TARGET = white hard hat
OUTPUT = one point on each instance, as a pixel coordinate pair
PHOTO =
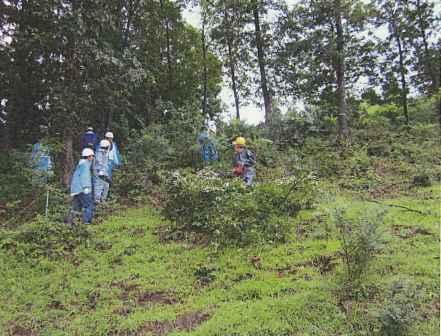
(87, 152)
(104, 143)
(109, 135)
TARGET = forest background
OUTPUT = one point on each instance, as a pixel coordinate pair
(340, 233)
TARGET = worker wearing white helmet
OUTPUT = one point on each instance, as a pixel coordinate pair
(81, 188)
(101, 172)
(114, 155)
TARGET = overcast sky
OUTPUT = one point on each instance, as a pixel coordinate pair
(252, 114)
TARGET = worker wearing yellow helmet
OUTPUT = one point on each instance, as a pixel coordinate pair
(244, 161)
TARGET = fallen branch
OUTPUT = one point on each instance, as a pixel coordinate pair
(397, 206)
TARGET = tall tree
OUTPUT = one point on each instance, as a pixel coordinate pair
(339, 66)
(396, 46)
(257, 7)
(322, 54)
(422, 26)
(227, 23)
(74, 63)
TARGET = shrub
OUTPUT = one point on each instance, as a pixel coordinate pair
(225, 210)
(380, 150)
(43, 238)
(360, 240)
(422, 180)
(399, 309)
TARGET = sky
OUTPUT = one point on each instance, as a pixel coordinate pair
(252, 113)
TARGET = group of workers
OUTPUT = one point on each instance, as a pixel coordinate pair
(243, 162)
(92, 177)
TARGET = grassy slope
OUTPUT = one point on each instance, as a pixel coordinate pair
(126, 278)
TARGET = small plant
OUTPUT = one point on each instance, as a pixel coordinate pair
(422, 180)
(399, 309)
(360, 241)
(205, 275)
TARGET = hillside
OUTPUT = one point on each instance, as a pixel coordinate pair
(124, 279)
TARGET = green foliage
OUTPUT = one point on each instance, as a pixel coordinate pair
(321, 157)
(158, 148)
(422, 180)
(205, 275)
(44, 238)
(228, 211)
(399, 310)
(360, 241)
(383, 116)
(16, 175)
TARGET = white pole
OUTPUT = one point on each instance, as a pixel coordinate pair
(47, 201)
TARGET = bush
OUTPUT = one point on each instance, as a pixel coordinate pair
(360, 240)
(379, 150)
(422, 180)
(321, 157)
(226, 211)
(43, 238)
(16, 186)
(399, 308)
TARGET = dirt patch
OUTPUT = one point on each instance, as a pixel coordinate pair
(406, 232)
(103, 245)
(243, 277)
(21, 331)
(436, 304)
(324, 264)
(431, 309)
(138, 232)
(256, 261)
(126, 287)
(56, 304)
(386, 191)
(93, 298)
(122, 311)
(185, 322)
(132, 290)
(156, 297)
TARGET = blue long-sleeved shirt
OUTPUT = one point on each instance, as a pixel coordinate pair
(81, 178)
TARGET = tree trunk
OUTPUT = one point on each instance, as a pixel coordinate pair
(68, 163)
(343, 130)
(205, 73)
(403, 79)
(234, 81)
(439, 86)
(167, 50)
(231, 62)
(261, 60)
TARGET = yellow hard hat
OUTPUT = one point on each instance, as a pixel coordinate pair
(239, 141)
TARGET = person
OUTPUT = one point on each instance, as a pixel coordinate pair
(207, 148)
(101, 172)
(41, 163)
(89, 139)
(81, 188)
(42, 169)
(114, 155)
(244, 161)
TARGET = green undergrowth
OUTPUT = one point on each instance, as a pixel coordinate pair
(123, 279)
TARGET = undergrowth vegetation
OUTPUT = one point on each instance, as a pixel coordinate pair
(331, 240)
(226, 211)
